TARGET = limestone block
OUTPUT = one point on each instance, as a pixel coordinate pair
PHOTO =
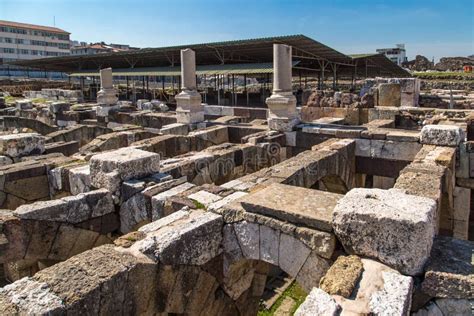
(23, 144)
(292, 254)
(230, 198)
(230, 246)
(389, 94)
(318, 303)
(269, 244)
(296, 205)
(462, 202)
(386, 149)
(58, 107)
(442, 135)
(248, 235)
(394, 227)
(204, 197)
(395, 297)
(342, 276)
(123, 281)
(158, 224)
(448, 273)
(31, 297)
(130, 187)
(79, 179)
(158, 200)
(71, 209)
(175, 129)
(408, 85)
(455, 307)
(312, 271)
(134, 212)
(322, 243)
(193, 240)
(124, 164)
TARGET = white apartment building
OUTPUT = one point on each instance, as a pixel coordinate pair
(28, 41)
(396, 54)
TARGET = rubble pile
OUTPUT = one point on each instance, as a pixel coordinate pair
(453, 63)
(420, 63)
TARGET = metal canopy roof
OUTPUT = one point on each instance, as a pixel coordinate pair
(241, 51)
(229, 69)
(377, 65)
(312, 55)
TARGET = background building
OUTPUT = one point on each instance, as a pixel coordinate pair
(396, 54)
(82, 48)
(19, 41)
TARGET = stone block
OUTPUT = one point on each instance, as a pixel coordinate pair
(393, 227)
(441, 135)
(312, 271)
(204, 197)
(71, 209)
(296, 205)
(462, 202)
(248, 235)
(343, 276)
(448, 273)
(389, 94)
(230, 246)
(318, 303)
(175, 129)
(23, 144)
(454, 307)
(30, 297)
(322, 242)
(269, 244)
(395, 297)
(292, 254)
(79, 179)
(158, 200)
(134, 212)
(121, 280)
(58, 107)
(193, 240)
(122, 164)
(226, 200)
(393, 150)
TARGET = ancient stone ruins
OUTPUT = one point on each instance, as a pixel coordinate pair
(116, 208)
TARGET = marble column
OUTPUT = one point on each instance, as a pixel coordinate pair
(107, 95)
(282, 114)
(188, 102)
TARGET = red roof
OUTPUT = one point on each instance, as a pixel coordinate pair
(33, 27)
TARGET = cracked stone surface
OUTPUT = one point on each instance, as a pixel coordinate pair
(389, 225)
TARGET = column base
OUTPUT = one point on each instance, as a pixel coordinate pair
(189, 117)
(189, 109)
(282, 124)
(282, 114)
(107, 96)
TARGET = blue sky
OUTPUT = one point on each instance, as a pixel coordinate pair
(432, 28)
